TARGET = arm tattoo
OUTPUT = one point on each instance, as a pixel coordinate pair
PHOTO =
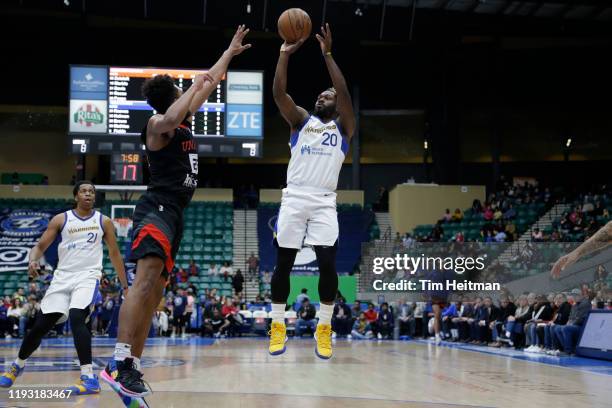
(600, 239)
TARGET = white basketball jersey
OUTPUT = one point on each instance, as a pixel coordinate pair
(80, 250)
(317, 152)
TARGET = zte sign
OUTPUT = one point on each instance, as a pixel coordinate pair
(244, 120)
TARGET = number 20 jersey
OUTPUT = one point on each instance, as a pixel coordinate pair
(80, 249)
(317, 152)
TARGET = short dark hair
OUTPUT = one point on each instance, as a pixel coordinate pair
(304, 290)
(160, 92)
(78, 185)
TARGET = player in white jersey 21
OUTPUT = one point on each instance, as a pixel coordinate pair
(75, 282)
(307, 216)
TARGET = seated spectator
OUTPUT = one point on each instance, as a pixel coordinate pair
(541, 314)
(499, 236)
(561, 315)
(361, 328)
(226, 270)
(448, 313)
(305, 318)
(385, 322)
(486, 314)
(510, 213)
(233, 320)
(567, 336)
(356, 310)
(407, 241)
(183, 276)
(476, 206)
(457, 215)
(29, 313)
(371, 316)
(193, 268)
(555, 236)
(341, 319)
(447, 216)
(459, 324)
(437, 232)
(497, 215)
(488, 214)
(406, 320)
(511, 231)
(536, 235)
(303, 295)
(14, 316)
(459, 237)
(213, 270)
(506, 310)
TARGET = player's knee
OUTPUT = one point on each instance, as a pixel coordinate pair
(78, 317)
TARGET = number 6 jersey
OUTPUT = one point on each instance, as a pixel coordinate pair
(317, 152)
(80, 248)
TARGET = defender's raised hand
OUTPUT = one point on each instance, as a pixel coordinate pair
(325, 39)
(236, 47)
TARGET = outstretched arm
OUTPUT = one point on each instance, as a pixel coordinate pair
(600, 239)
(344, 103)
(162, 123)
(43, 243)
(215, 74)
(293, 114)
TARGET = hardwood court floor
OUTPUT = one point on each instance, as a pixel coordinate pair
(238, 373)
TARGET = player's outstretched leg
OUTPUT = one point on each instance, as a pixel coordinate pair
(280, 292)
(88, 382)
(328, 289)
(31, 341)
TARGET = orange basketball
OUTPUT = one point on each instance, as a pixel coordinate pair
(294, 24)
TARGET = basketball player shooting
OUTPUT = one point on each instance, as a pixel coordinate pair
(75, 283)
(158, 218)
(319, 144)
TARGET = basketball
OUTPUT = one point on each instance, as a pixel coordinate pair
(294, 24)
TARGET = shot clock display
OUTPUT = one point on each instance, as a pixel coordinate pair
(126, 168)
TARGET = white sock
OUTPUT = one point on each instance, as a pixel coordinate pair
(325, 313)
(123, 351)
(20, 362)
(87, 370)
(278, 313)
(136, 363)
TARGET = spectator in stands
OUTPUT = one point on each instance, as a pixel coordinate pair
(216, 321)
(361, 328)
(13, 316)
(459, 237)
(20, 294)
(213, 270)
(499, 236)
(183, 276)
(457, 215)
(107, 313)
(447, 316)
(562, 311)
(567, 336)
(238, 282)
(342, 322)
(253, 265)
(385, 322)
(447, 216)
(189, 309)
(468, 319)
(437, 232)
(226, 270)
(497, 214)
(510, 213)
(193, 268)
(356, 309)
(305, 317)
(601, 274)
(406, 320)
(162, 319)
(28, 315)
(476, 206)
(382, 204)
(178, 313)
(487, 213)
(303, 295)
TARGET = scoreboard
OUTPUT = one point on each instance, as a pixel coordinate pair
(126, 168)
(108, 111)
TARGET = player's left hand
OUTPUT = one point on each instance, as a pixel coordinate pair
(562, 263)
(325, 39)
(236, 47)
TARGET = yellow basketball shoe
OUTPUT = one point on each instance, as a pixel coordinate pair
(323, 336)
(278, 338)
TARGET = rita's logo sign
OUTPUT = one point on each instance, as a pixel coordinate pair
(88, 115)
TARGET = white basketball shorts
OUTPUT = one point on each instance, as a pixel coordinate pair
(307, 217)
(67, 293)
